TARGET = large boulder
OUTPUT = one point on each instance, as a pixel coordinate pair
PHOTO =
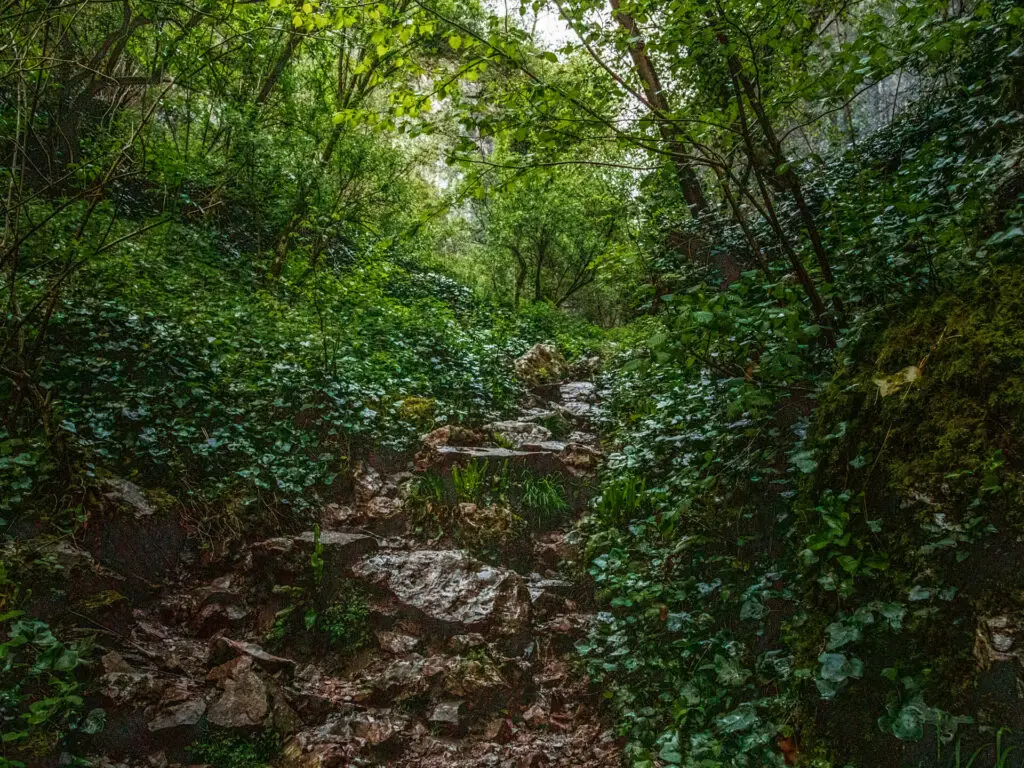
(132, 536)
(452, 590)
(542, 364)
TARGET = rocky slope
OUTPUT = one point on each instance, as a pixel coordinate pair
(411, 628)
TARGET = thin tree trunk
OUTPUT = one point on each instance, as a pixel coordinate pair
(688, 181)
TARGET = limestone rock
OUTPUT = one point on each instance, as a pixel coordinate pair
(244, 702)
(453, 589)
(580, 459)
(224, 648)
(397, 643)
(542, 364)
(451, 435)
(519, 433)
(284, 558)
(131, 536)
(186, 714)
(368, 483)
(447, 715)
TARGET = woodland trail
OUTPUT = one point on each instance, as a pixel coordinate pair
(379, 639)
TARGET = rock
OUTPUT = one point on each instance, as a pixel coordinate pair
(377, 728)
(463, 643)
(580, 460)
(536, 715)
(548, 596)
(135, 686)
(285, 719)
(337, 515)
(453, 589)
(542, 364)
(131, 536)
(114, 662)
(564, 631)
(534, 759)
(447, 716)
(367, 483)
(397, 643)
(408, 678)
(478, 681)
(383, 515)
(318, 748)
(394, 484)
(549, 446)
(244, 701)
(127, 494)
(452, 435)
(498, 730)
(552, 550)
(339, 549)
(444, 458)
(519, 433)
(223, 648)
(583, 438)
(186, 714)
(585, 367)
(578, 392)
(216, 617)
(996, 640)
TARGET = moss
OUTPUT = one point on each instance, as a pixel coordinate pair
(935, 438)
(101, 600)
(933, 471)
(418, 410)
(226, 751)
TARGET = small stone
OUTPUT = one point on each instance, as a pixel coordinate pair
(397, 643)
(463, 643)
(114, 662)
(536, 715)
(367, 483)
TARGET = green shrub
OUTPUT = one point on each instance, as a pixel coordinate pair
(224, 750)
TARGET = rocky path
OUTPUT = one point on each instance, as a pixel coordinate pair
(429, 623)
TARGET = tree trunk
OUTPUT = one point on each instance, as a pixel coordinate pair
(688, 181)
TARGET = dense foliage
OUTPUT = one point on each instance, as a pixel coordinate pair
(248, 244)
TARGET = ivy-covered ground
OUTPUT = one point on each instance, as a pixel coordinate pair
(810, 556)
(251, 250)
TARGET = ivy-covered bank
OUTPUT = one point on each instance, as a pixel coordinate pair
(176, 365)
(812, 556)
